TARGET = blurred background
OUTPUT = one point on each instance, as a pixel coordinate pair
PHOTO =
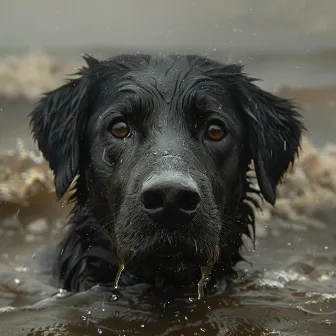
(290, 45)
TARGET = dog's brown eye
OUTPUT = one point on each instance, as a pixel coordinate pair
(216, 132)
(120, 130)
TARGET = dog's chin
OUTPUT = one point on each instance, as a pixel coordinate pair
(164, 264)
(154, 252)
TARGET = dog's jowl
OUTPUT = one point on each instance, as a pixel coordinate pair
(158, 150)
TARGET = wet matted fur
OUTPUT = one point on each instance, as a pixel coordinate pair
(160, 148)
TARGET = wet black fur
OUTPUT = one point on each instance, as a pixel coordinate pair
(168, 102)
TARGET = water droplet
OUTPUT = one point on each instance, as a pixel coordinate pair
(327, 322)
(114, 297)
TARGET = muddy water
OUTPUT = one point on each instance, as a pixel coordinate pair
(290, 288)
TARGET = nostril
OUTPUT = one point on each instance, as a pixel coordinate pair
(189, 201)
(152, 200)
(170, 198)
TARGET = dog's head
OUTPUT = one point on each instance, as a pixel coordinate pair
(161, 147)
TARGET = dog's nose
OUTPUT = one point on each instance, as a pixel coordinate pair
(170, 199)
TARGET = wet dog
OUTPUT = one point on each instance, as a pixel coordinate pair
(159, 149)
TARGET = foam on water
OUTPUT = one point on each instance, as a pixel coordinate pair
(279, 279)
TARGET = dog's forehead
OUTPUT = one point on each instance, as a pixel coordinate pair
(166, 85)
(167, 77)
(169, 73)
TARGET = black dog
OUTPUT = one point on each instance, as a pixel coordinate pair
(161, 149)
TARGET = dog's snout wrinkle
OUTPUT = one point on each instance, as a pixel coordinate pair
(170, 198)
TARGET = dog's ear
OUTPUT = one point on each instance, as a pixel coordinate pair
(274, 134)
(57, 124)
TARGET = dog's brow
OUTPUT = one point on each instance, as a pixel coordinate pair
(125, 103)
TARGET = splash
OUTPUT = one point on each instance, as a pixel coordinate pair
(24, 176)
(307, 191)
(29, 76)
